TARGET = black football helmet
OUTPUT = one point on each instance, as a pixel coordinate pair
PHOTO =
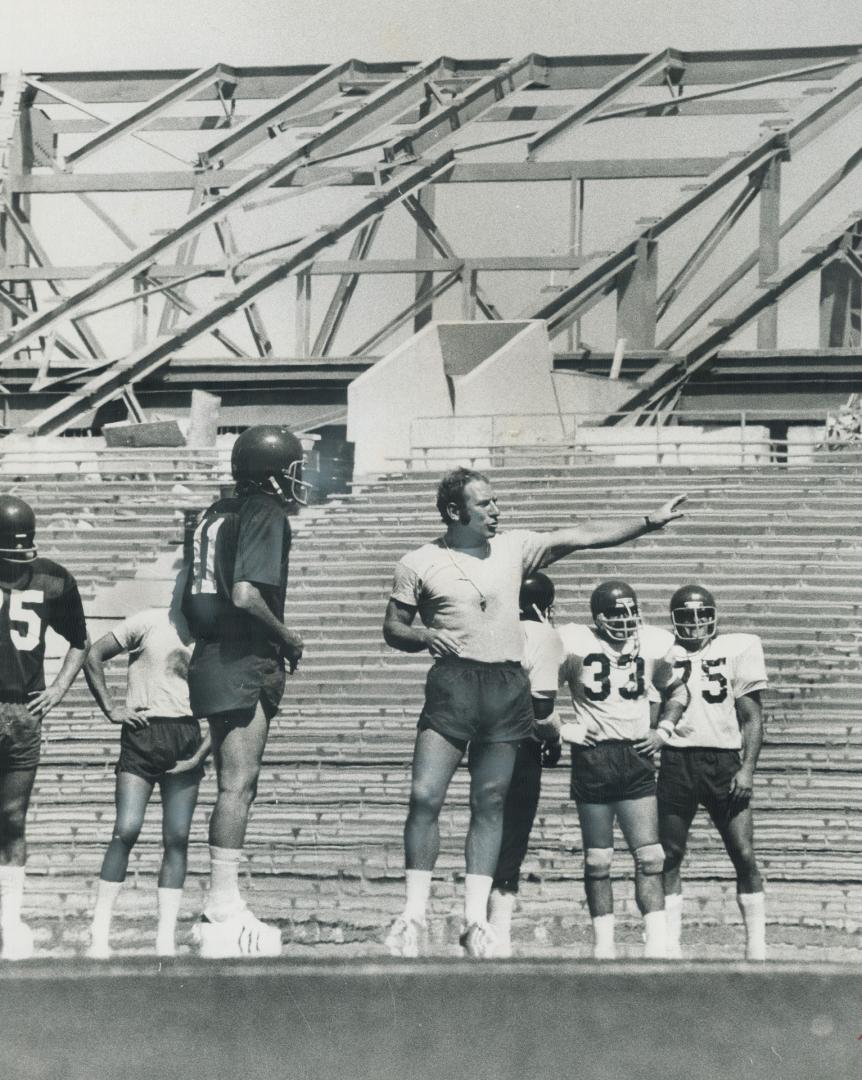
(270, 457)
(17, 530)
(693, 615)
(614, 606)
(536, 598)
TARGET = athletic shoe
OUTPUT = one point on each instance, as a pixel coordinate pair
(479, 941)
(17, 942)
(238, 935)
(407, 938)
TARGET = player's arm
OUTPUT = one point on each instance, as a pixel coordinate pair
(602, 534)
(200, 755)
(106, 648)
(248, 598)
(400, 632)
(674, 702)
(749, 713)
(43, 702)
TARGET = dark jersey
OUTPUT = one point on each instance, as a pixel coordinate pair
(241, 538)
(35, 595)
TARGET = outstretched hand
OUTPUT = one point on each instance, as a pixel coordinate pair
(668, 511)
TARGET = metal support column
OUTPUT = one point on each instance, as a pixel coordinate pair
(637, 290)
(770, 236)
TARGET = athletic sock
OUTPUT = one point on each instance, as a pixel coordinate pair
(477, 889)
(604, 947)
(673, 915)
(224, 897)
(106, 896)
(166, 934)
(500, 908)
(418, 892)
(655, 932)
(11, 894)
(753, 908)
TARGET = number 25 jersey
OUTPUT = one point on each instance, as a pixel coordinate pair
(728, 666)
(610, 689)
(34, 596)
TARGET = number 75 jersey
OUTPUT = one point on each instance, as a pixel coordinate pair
(726, 668)
(610, 689)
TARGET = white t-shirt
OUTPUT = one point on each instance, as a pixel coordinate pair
(727, 667)
(448, 585)
(610, 690)
(158, 663)
(543, 654)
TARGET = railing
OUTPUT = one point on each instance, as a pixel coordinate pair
(80, 457)
(721, 437)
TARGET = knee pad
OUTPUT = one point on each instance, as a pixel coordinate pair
(649, 859)
(597, 862)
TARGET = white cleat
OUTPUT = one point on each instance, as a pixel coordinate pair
(239, 935)
(479, 941)
(17, 942)
(407, 938)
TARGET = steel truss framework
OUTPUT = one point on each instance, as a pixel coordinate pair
(376, 140)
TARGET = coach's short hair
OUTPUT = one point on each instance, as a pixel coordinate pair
(451, 489)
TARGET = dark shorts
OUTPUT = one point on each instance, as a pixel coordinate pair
(469, 701)
(698, 776)
(224, 677)
(152, 751)
(609, 772)
(20, 738)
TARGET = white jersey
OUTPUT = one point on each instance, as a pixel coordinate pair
(727, 667)
(543, 654)
(610, 690)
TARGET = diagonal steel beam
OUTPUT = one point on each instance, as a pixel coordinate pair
(701, 353)
(179, 92)
(151, 357)
(339, 134)
(252, 314)
(650, 65)
(344, 291)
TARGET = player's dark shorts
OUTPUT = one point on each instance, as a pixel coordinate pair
(470, 701)
(611, 771)
(698, 776)
(20, 738)
(225, 678)
(152, 751)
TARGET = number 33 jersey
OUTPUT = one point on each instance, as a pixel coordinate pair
(33, 597)
(610, 689)
(727, 667)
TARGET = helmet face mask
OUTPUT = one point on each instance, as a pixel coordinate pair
(270, 457)
(614, 607)
(693, 616)
(17, 530)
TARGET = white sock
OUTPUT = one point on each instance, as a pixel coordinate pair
(604, 947)
(11, 894)
(477, 889)
(655, 932)
(753, 908)
(418, 891)
(166, 934)
(224, 897)
(673, 915)
(500, 908)
(106, 897)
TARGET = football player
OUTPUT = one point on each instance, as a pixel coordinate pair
(543, 653)
(464, 586)
(35, 593)
(234, 604)
(710, 754)
(609, 668)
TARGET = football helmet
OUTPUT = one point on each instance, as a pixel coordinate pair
(536, 598)
(270, 457)
(614, 607)
(17, 530)
(693, 615)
